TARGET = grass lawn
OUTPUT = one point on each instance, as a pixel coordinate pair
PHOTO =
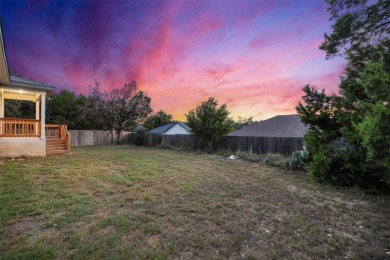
(137, 202)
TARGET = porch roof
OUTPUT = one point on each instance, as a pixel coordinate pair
(29, 84)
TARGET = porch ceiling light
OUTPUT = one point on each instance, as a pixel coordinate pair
(21, 91)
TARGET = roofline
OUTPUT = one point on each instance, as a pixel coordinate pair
(31, 84)
(13, 88)
(165, 130)
(176, 123)
(169, 127)
(48, 90)
(173, 124)
(3, 50)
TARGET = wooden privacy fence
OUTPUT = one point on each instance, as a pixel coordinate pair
(259, 145)
(94, 137)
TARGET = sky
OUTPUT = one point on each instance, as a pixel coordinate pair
(254, 56)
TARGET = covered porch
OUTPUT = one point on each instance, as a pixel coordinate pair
(25, 137)
(23, 127)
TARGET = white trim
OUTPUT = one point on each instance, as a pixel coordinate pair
(2, 104)
(43, 115)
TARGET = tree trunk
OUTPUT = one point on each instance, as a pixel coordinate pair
(112, 136)
(118, 136)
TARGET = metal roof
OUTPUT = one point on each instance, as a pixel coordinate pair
(21, 82)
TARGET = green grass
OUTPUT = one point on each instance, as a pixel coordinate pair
(135, 202)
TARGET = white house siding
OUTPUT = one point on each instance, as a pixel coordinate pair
(176, 130)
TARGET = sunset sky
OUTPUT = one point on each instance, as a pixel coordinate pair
(255, 56)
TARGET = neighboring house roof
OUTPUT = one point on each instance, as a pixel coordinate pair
(11, 81)
(278, 126)
(164, 128)
(140, 128)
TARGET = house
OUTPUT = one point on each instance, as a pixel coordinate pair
(278, 126)
(171, 129)
(21, 137)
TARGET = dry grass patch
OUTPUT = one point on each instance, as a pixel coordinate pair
(136, 202)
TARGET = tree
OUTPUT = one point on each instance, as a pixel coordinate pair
(243, 122)
(91, 109)
(208, 122)
(125, 108)
(374, 127)
(357, 26)
(347, 136)
(158, 119)
(19, 109)
(63, 108)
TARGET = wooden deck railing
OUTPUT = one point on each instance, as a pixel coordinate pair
(58, 132)
(52, 131)
(18, 127)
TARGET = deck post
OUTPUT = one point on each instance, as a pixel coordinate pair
(37, 117)
(43, 117)
(37, 110)
(1, 110)
(2, 104)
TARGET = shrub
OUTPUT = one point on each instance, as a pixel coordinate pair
(209, 122)
(342, 164)
(297, 160)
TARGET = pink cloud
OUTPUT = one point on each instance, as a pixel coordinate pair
(181, 53)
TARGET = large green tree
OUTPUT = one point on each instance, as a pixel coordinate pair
(209, 122)
(63, 108)
(346, 136)
(374, 126)
(158, 119)
(357, 26)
